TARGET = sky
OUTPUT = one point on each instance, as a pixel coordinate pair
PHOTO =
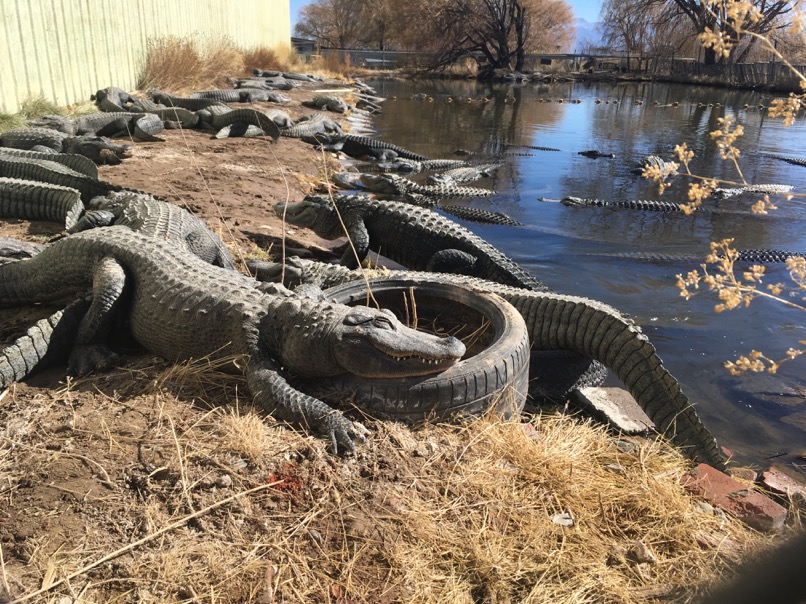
(586, 9)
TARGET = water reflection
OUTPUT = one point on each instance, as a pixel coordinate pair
(575, 250)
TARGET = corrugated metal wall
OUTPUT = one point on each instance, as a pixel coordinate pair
(64, 50)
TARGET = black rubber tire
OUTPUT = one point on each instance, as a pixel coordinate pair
(495, 379)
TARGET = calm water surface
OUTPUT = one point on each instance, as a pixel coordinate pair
(572, 249)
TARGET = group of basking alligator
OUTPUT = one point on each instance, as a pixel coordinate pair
(189, 301)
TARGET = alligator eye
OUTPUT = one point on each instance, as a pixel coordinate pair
(382, 322)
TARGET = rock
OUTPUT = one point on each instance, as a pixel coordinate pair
(722, 491)
(779, 482)
(615, 406)
(564, 519)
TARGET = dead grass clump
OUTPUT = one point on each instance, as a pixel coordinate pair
(181, 65)
(261, 58)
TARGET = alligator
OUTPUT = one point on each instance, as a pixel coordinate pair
(559, 322)
(595, 153)
(415, 237)
(412, 166)
(653, 161)
(758, 256)
(633, 204)
(15, 249)
(78, 163)
(54, 173)
(795, 161)
(36, 200)
(277, 83)
(242, 95)
(30, 200)
(191, 104)
(360, 146)
(727, 193)
(114, 99)
(327, 102)
(98, 148)
(479, 215)
(535, 147)
(392, 184)
(292, 75)
(180, 307)
(141, 126)
(143, 213)
(217, 117)
(311, 125)
(464, 174)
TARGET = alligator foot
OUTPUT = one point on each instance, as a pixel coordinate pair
(341, 433)
(89, 358)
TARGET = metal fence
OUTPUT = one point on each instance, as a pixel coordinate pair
(64, 50)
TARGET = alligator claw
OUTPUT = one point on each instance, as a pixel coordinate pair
(89, 358)
(342, 434)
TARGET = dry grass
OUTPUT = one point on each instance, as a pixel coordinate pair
(445, 513)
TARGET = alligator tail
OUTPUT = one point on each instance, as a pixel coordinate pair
(47, 342)
(31, 200)
(600, 332)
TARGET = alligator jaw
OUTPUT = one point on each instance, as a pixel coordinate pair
(375, 344)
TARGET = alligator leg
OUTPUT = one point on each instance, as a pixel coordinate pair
(93, 219)
(452, 261)
(48, 341)
(278, 397)
(90, 352)
(359, 236)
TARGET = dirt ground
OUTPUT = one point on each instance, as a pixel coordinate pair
(134, 486)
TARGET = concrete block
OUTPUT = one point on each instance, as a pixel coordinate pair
(722, 491)
(615, 406)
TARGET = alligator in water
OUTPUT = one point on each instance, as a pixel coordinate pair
(415, 237)
(393, 184)
(99, 149)
(653, 161)
(553, 322)
(595, 154)
(463, 174)
(795, 161)
(181, 307)
(650, 205)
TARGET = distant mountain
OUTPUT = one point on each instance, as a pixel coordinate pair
(588, 34)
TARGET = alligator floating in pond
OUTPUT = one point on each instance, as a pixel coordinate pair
(393, 184)
(595, 154)
(181, 307)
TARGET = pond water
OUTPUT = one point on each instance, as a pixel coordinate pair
(761, 417)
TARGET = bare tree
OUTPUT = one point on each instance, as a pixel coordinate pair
(497, 33)
(334, 23)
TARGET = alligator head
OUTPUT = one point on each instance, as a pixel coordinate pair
(321, 339)
(316, 212)
(99, 149)
(54, 122)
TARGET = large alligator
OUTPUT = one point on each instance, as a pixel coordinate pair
(54, 173)
(191, 104)
(412, 166)
(78, 163)
(359, 146)
(327, 102)
(141, 126)
(217, 117)
(464, 174)
(181, 307)
(393, 184)
(242, 95)
(415, 237)
(113, 99)
(557, 322)
(728, 192)
(143, 213)
(311, 125)
(98, 148)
